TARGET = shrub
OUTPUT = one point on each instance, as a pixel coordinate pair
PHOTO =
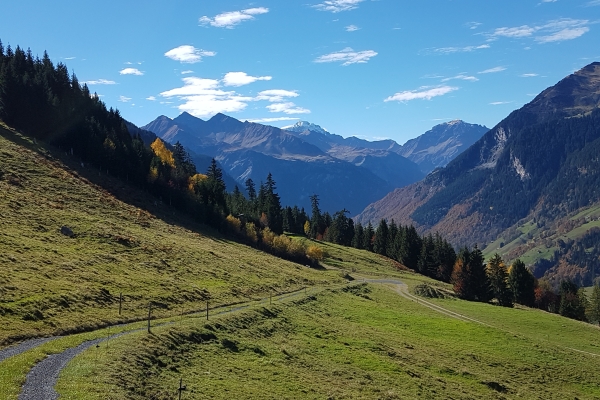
(315, 253)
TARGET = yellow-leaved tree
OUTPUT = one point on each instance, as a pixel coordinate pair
(195, 180)
(165, 155)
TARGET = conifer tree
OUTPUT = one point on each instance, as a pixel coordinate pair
(572, 301)
(368, 237)
(358, 238)
(316, 218)
(522, 284)
(498, 275)
(381, 238)
(593, 311)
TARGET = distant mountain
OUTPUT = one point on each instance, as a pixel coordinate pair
(380, 157)
(434, 149)
(300, 168)
(440, 145)
(540, 164)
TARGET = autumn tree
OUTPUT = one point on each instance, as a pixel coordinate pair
(545, 298)
(469, 277)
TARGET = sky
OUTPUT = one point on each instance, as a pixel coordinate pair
(368, 68)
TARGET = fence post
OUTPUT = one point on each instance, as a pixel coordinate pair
(181, 387)
(120, 302)
(149, 311)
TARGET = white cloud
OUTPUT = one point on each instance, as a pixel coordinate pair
(492, 70)
(188, 54)
(189, 71)
(232, 18)
(276, 95)
(565, 34)
(151, 98)
(423, 93)
(195, 86)
(593, 3)
(287, 108)
(242, 78)
(276, 119)
(70, 58)
(347, 56)
(131, 71)
(466, 49)
(124, 99)
(553, 31)
(473, 25)
(528, 75)
(205, 97)
(461, 77)
(497, 103)
(352, 28)
(101, 82)
(336, 6)
(516, 32)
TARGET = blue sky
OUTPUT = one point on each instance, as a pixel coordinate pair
(366, 68)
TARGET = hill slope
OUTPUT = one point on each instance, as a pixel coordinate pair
(52, 283)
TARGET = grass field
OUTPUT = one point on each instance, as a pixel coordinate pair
(361, 342)
(52, 284)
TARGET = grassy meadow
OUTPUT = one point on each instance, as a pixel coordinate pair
(362, 341)
(53, 284)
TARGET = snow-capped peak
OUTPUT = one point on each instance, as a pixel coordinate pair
(302, 126)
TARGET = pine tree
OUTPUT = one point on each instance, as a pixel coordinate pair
(522, 284)
(368, 237)
(469, 276)
(381, 238)
(572, 301)
(272, 206)
(593, 311)
(483, 291)
(316, 218)
(358, 238)
(498, 275)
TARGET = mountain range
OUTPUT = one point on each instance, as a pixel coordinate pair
(305, 159)
(530, 175)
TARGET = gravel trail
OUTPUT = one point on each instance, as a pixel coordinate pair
(41, 379)
(23, 347)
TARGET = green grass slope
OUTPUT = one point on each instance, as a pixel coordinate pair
(364, 341)
(51, 283)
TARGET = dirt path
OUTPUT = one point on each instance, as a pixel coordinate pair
(23, 347)
(42, 378)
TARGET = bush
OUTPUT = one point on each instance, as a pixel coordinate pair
(315, 253)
